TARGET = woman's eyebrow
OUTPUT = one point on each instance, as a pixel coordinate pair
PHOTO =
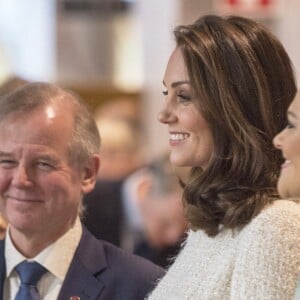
(177, 83)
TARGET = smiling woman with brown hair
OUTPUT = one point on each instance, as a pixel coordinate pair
(288, 141)
(228, 84)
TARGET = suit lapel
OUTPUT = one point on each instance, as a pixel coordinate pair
(2, 268)
(89, 260)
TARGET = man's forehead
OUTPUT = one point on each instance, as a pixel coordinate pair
(49, 109)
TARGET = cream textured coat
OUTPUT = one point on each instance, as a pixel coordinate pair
(261, 261)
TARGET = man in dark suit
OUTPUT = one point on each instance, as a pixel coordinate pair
(49, 147)
(104, 212)
(106, 217)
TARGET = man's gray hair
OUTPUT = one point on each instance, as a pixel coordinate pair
(85, 138)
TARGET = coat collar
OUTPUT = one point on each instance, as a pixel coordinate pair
(81, 280)
(89, 260)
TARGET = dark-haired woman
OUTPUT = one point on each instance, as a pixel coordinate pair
(228, 84)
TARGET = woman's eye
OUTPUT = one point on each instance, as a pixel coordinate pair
(184, 97)
(181, 96)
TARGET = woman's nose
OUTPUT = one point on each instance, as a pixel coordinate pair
(166, 116)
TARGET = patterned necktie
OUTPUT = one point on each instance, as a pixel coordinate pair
(30, 273)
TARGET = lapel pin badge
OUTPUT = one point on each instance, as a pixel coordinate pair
(74, 298)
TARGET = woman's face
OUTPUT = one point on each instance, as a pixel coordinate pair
(288, 141)
(190, 137)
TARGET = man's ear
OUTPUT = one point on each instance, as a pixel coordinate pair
(90, 172)
(143, 188)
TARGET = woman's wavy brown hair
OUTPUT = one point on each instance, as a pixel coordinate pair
(243, 82)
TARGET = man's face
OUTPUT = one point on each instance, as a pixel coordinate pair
(164, 219)
(40, 192)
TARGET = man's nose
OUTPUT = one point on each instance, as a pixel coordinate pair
(21, 176)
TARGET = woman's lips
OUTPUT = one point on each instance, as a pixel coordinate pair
(176, 138)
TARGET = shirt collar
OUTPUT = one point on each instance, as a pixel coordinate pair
(56, 258)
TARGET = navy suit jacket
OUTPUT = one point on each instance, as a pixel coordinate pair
(104, 217)
(101, 271)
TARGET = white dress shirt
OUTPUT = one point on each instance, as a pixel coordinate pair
(56, 258)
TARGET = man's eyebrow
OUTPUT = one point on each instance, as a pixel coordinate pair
(177, 83)
(47, 157)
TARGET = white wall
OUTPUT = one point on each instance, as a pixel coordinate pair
(157, 19)
(288, 30)
(27, 37)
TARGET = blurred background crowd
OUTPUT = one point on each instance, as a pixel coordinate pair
(113, 53)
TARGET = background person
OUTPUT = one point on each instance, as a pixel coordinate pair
(227, 86)
(118, 121)
(154, 208)
(121, 155)
(143, 215)
(49, 146)
(160, 203)
(288, 141)
(122, 150)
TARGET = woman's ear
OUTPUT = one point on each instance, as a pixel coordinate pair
(90, 172)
